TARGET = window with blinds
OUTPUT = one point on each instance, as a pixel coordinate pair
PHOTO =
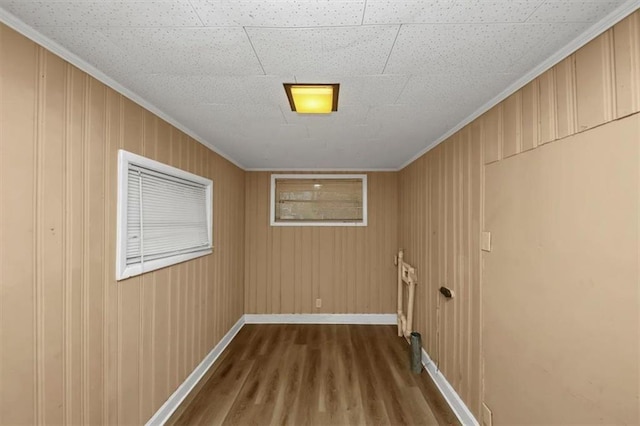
(318, 200)
(164, 215)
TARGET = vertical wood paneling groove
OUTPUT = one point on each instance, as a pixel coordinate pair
(66, 307)
(86, 170)
(547, 111)
(530, 116)
(443, 250)
(512, 125)
(287, 268)
(567, 119)
(595, 80)
(38, 226)
(627, 65)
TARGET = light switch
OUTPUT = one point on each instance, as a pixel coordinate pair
(486, 241)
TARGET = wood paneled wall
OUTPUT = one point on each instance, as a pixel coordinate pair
(350, 268)
(439, 222)
(77, 347)
(442, 193)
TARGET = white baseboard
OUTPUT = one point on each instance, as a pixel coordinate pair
(164, 413)
(377, 319)
(458, 406)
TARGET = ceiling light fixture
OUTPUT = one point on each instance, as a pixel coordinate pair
(312, 98)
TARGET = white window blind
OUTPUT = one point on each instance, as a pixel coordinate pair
(164, 216)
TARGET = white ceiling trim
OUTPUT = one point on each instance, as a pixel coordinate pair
(324, 170)
(592, 32)
(26, 30)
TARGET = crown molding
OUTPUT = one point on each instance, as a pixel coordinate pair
(592, 32)
(31, 33)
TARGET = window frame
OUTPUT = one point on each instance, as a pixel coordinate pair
(272, 199)
(124, 271)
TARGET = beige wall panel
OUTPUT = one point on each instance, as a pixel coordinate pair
(75, 309)
(561, 282)
(95, 219)
(512, 125)
(595, 82)
(547, 109)
(566, 97)
(627, 63)
(17, 271)
(439, 228)
(50, 255)
(349, 268)
(530, 114)
(492, 125)
(77, 347)
(441, 210)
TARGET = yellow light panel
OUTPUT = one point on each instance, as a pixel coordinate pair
(312, 99)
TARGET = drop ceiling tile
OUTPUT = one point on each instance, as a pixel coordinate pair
(210, 89)
(573, 11)
(460, 48)
(186, 51)
(557, 37)
(174, 13)
(346, 115)
(94, 47)
(240, 119)
(453, 95)
(362, 89)
(450, 57)
(284, 13)
(471, 11)
(331, 51)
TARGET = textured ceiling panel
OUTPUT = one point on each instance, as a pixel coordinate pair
(452, 48)
(94, 47)
(104, 13)
(284, 13)
(409, 71)
(362, 89)
(210, 89)
(452, 12)
(573, 11)
(339, 50)
(187, 51)
(349, 115)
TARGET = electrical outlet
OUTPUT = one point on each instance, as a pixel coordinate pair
(318, 303)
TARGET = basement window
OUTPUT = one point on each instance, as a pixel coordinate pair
(164, 215)
(318, 200)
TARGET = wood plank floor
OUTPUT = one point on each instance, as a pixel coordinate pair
(315, 375)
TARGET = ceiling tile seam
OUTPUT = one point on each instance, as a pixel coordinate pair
(404, 87)
(196, 12)
(391, 50)
(313, 27)
(617, 15)
(284, 117)
(254, 50)
(364, 12)
(31, 33)
(143, 27)
(535, 10)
